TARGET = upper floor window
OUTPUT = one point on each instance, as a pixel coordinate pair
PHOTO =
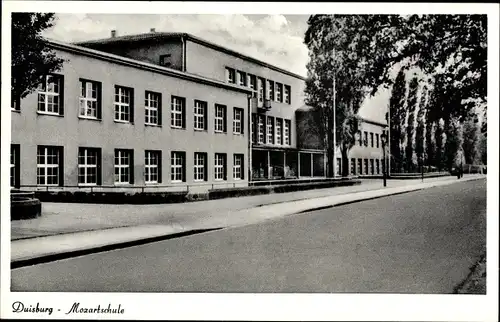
(287, 133)
(165, 60)
(200, 112)
(261, 85)
(366, 138)
(260, 124)
(230, 75)
(220, 118)
(152, 108)
(287, 94)
(371, 140)
(242, 79)
(270, 88)
(90, 99)
(124, 107)
(252, 82)
(279, 92)
(279, 131)
(238, 120)
(270, 130)
(50, 95)
(377, 139)
(178, 112)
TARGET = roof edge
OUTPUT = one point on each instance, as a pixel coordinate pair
(143, 65)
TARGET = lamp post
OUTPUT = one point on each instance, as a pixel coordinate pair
(383, 138)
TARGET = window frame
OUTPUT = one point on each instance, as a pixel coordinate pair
(149, 96)
(261, 129)
(86, 166)
(270, 90)
(279, 131)
(240, 167)
(97, 100)
(174, 166)
(15, 164)
(270, 130)
(59, 153)
(176, 101)
(122, 105)
(152, 155)
(279, 92)
(128, 154)
(220, 169)
(287, 132)
(43, 90)
(242, 78)
(200, 168)
(222, 119)
(197, 107)
(238, 122)
(287, 94)
(230, 75)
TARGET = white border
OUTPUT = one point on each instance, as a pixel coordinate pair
(266, 306)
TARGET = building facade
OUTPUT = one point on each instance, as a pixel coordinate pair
(164, 112)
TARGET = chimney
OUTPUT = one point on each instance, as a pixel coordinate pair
(152, 30)
(113, 33)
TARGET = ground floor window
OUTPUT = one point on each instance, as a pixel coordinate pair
(178, 166)
(49, 165)
(220, 166)
(124, 166)
(200, 166)
(372, 168)
(377, 164)
(366, 166)
(339, 166)
(238, 167)
(14, 165)
(353, 166)
(89, 166)
(360, 166)
(152, 167)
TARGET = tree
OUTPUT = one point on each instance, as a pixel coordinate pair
(453, 141)
(412, 104)
(439, 151)
(420, 133)
(397, 119)
(471, 142)
(32, 58)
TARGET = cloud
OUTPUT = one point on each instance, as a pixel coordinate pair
(268, 38)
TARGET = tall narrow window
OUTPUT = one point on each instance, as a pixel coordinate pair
(279, 92)
(15, 150)
(372, 167)
(377, 139)
(89, 160)
(200, 166)
(252, 82)
(220, 166)
(371, 140)
(177, 166)
(366, 138)
(287, 94)
(367, 171)
(287, 132)
(50, 95)
(90, 99)
(360, 166)
(270, 88)
(261, 85)
(123, 104)
(200, 111)
(270, 130)
(152, 167)
(152, 108)
(353, 166)
(242, 78)
(220, 118)
(360, 138)
(339, 166)
(377, 163)
(124, 164)
(49, 165)
(238, 167)
(279, 131)
(178, 112)
(230, 75)
(260, 125)
(238, 120)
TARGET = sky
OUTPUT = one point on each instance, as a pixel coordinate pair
(275, 39)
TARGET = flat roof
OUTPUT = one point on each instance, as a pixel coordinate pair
(144, 65)
(151, 36)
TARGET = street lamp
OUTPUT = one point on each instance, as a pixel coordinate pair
(383, 138)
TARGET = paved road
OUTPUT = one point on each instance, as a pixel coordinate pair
(419, 242)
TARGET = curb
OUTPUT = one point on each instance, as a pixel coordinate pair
(70, 254)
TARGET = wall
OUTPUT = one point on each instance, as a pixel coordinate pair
(30, 129)
(211, 63)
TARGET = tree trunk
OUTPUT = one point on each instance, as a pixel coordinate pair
(330, 153)
(345, 161)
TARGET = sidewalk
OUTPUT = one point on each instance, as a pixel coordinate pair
(76, 227)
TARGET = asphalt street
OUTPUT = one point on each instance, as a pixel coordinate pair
(418, 242)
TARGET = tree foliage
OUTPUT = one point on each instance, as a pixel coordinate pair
(397, 118)
(471, 142)
(32, 58)
(410, 127)
(420, 132)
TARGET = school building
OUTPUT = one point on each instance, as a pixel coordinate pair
(166, 112)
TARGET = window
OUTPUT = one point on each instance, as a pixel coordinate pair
(372, 167)
(124, 165)
(270, 87)
(152, 167)
(287, 94)
(220, 166)
(90, 99)
(279, 92)
(287, 132)
(360, 138)
(238, 119)
(261, 83)
(279, 131)
(238, 167)
(178, 166)
(371, 140)
(200, 112)
(353, 166)
(89, 166)
(366, 166)
(252, 82)
(242, 79)
(123, 104)
(377, 163)
(230, 75)
(220, 118)
(14, 165)
(50, 95)
(165, 60)
(377, 139)
(366, 138)
(360, 166)
(270, 130)
(49, 165)
(260, 125)
(178, 112)
(152, 108)
(339, 166)
(200, 166)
